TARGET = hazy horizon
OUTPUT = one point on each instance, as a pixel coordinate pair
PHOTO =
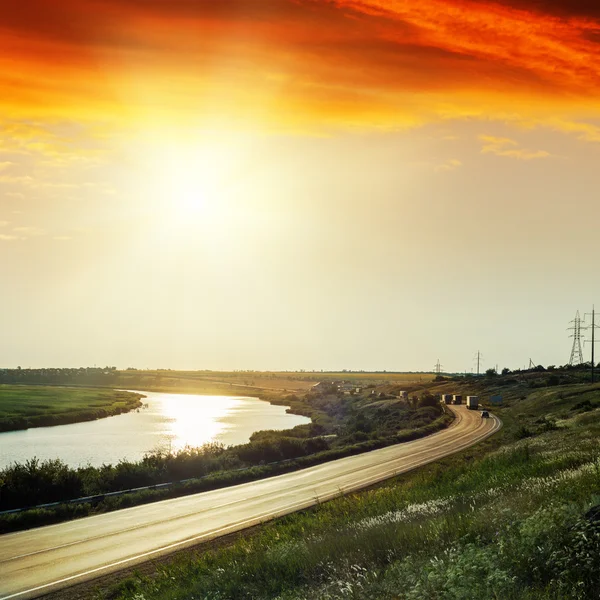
(280, 185)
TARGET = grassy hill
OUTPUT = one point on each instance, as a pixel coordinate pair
(516, 517)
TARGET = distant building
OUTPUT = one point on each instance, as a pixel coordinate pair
(346, 386)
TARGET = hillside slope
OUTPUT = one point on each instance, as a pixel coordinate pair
(515, 517)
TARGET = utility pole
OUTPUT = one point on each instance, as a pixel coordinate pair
(479, 358)
(593, 327)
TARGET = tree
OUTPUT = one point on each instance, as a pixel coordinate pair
(505, 371)
(428, 400)
(491, 373)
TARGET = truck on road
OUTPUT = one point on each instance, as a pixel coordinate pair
(472, 402)
(457, 399)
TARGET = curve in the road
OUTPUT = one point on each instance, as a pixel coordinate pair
(50, 558)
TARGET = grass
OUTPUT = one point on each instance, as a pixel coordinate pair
(22, 407)
(506, 519)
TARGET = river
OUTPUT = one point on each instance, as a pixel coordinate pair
(169, 422)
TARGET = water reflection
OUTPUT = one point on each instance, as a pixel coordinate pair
(196, 420)
(170, 422)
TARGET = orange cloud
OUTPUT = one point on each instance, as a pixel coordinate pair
(509, 148)
(449, 165)
(370, 63)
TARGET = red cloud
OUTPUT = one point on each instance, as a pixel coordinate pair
(344, 60)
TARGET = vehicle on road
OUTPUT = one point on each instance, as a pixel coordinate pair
(457, 399)
(485, 414)
(472, 402)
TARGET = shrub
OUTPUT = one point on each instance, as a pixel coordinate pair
(523, 432)
(574, 564)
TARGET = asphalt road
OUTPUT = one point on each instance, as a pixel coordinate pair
(46, 559)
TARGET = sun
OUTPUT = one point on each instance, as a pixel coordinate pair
(194, 185)
(194, 192)
(190, 181)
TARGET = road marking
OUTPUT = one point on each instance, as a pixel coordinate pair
(107, 535)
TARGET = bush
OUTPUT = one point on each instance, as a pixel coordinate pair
(523, 432)
(36, 482)
(428, 400)
(574, 564)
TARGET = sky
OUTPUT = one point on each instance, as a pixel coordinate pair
(297, 184)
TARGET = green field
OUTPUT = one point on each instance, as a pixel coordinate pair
(253, 382)
(509, 518)
(22, 407)
(233, 383)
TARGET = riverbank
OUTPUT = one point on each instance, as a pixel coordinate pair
(342, 426)
(29, 406)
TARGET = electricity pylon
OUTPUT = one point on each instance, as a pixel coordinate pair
(576, 352)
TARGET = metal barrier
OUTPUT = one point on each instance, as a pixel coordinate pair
(157, 486)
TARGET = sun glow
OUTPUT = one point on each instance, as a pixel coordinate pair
(193, 190)
(192, 182)
(195, 185)
(196, 420)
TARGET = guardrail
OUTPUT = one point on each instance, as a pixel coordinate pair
(157, 486)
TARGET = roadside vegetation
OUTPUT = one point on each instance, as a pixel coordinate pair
(343, 424)
(516, 517)
(22, 407)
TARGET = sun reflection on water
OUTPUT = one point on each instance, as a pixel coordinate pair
(195, 420)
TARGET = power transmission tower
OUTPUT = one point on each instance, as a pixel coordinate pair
(593, 327)
(479, 359)
(576, 352)
(438, 367)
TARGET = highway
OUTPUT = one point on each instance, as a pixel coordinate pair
(37, 561)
